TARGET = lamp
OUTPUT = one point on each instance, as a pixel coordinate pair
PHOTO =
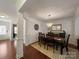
(49, 24)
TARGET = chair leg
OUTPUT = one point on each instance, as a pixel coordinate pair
(53, 49)
(61, 50)
(39, 44)
(56, 47)
(44, 46)
(66, 49)
(47, 47)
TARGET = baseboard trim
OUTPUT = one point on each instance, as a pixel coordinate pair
(33, 43)
(72, 46)
(21, 58)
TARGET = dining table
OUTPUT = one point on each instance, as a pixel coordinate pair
(57, 41)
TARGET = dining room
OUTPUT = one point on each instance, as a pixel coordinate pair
(51, 27)
(55, 43)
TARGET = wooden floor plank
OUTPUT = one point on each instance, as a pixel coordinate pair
(7, 49)
(32, 53)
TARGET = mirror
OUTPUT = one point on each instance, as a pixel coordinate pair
(36, 26)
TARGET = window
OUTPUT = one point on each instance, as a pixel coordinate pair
(3, 30)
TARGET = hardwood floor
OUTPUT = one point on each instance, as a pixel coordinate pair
(7, 49)
(32, 53)
(22, 58)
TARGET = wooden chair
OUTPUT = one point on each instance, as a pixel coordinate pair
(41, 39)
(50, 41)
(64, 44)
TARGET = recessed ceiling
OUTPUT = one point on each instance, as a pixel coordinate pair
(49, 9)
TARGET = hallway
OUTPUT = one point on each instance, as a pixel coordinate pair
(7, 49)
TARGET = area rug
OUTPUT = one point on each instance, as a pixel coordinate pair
(73, 53)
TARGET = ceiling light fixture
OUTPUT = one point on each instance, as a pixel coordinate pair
(49, 24)
(2, 16)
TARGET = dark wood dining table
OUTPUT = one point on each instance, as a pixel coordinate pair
(56, 40)
(59, 39)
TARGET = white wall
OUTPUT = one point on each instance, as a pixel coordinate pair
(68, 26)
(31, 33)
(77, 28)
(77, 24)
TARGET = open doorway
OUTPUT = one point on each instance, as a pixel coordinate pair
(14, 30)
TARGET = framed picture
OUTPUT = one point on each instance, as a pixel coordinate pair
(56, 27)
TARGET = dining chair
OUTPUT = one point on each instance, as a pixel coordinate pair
(65, 44)
(41, 39)
(50, 41)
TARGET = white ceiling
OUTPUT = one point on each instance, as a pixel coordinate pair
(50, 9)
(8, 8)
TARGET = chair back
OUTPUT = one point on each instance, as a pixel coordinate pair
(49, 34)
(62, 35)
(41, 36)
(40, 33)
